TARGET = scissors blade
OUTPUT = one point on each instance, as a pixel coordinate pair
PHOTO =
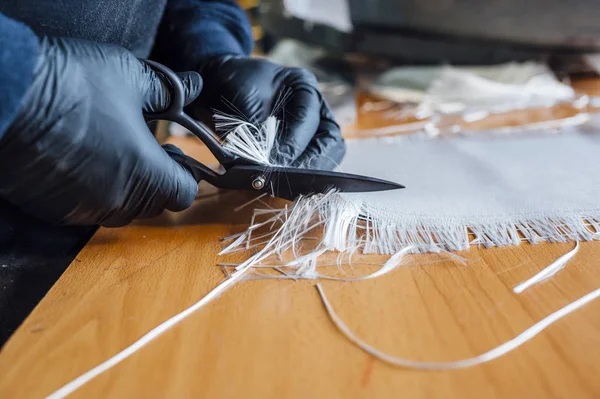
(289, 183)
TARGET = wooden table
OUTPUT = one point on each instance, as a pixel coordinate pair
(271, 339)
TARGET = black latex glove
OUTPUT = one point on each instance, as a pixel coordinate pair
(80, 151)
(310, 137)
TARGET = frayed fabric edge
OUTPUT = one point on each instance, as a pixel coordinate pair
(348, 226)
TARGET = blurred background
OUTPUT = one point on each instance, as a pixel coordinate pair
(438, 65)
(433, 31)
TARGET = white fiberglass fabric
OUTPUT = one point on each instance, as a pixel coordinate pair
(500, 188)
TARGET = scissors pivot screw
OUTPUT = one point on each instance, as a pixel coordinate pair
(259, 182)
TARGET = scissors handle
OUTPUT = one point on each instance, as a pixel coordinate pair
(175, 113)
(198, 170)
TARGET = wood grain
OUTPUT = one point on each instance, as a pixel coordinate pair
(271, 339)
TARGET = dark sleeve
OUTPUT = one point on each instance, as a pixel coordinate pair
(18, 56)
(193, 31)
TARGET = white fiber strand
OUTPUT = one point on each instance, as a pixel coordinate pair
(248, 140)
(240, 271)
(144, 340)
(391, 264)
(548, 271)
(473, 361)
(239, 208)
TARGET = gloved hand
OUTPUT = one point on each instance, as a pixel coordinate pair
(80, 152)
(252, 88)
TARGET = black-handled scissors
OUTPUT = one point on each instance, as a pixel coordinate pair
(244, 174)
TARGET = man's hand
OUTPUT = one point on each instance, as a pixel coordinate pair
(255, 88)
(80, 152)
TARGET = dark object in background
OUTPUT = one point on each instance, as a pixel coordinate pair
(544, 23)
(454, 31)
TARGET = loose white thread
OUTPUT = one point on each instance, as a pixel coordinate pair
(473, 361)
(248, 140)
(248, 137)
(155, 332)
(304, 266)
(144, 340)
(548, 271)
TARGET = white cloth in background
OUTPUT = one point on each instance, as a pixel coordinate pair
(498, 88)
